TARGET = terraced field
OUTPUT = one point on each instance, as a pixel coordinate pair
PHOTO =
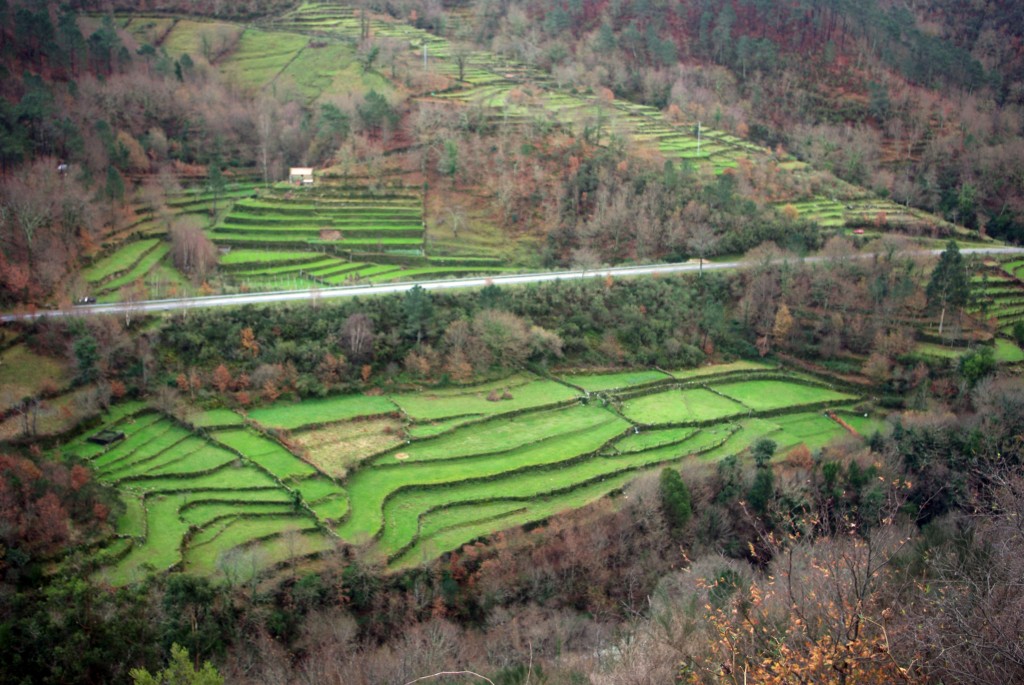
(999, 294)
(411, 475)
(331, 236)
(140, 253)
(515, 93)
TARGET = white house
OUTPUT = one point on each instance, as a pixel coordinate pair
(301, 175)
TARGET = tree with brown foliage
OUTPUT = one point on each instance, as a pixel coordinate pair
(192, 252)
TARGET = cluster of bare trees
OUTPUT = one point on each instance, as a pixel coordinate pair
(193, 253)
(47, 220)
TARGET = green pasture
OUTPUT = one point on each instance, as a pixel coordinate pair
(139, 438)
(160, 453)
(615, 381)
(201, 38)
(316, 488)
(939, 351)
(331, 71)
(234, 476)
(767, 395)
(650, 439)
(292, 269)
(209, 556)
(141, 268)
(215, 418)
(681, 406)
(561, 487)
(814, 430)
(431, 428)
(332, 508)
(204, 512)
(423, 406)
(319, 411)
(498, 435)
(442, 530)
(265, 453)
(245, 257)
(368, 488)
(469, 466)
(261, 56)
(133, 521)
(119, 261)
(160, 549)
(288, 544)
(1012, 310)
(1008, 352)
(864, 422)
(204, 459)
(719, 369)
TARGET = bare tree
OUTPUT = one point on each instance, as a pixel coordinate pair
(702, 242)
(357, 337)
(192, 252)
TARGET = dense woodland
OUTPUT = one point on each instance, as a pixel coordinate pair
(891, 559)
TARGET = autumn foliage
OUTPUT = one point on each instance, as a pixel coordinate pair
(45, 505)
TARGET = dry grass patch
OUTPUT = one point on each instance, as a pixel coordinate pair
(24, 373)
(335, 448)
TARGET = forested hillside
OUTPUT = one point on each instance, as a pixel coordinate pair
(921, 101)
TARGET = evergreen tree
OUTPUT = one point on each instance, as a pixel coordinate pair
(763, 490)
(764, 450)
(949, 285)
(675, 500)
(419, 312)
(178, 672)
(114, 188)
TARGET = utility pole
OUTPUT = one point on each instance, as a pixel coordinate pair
(698, 139)
(424, 55)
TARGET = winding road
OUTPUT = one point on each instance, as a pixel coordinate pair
(312, 294)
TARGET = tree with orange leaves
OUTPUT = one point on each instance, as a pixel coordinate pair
(249, 343)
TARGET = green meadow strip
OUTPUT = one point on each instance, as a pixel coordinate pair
(369, 488)
(320, 411)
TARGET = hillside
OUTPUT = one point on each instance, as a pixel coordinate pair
(798, 469)
(514, 162)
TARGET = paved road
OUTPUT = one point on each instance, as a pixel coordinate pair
(151, 306)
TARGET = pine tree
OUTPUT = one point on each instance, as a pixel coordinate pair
(675, 500)
(949, 285)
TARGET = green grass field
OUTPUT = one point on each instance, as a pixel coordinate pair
(474, 467)
(768, 394)
(327, 410)
(811, 429)
(939, 351)
(645, 440)
(423, 406)
(498, 435)
(681, 406)
(120, 261)
(261, 56)
(1008, 352)
(615, 381)
(265, 453)
(719, 369)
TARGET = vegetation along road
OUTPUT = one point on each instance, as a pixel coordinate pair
(149, 306)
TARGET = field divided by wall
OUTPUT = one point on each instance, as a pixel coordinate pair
(408, 476)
